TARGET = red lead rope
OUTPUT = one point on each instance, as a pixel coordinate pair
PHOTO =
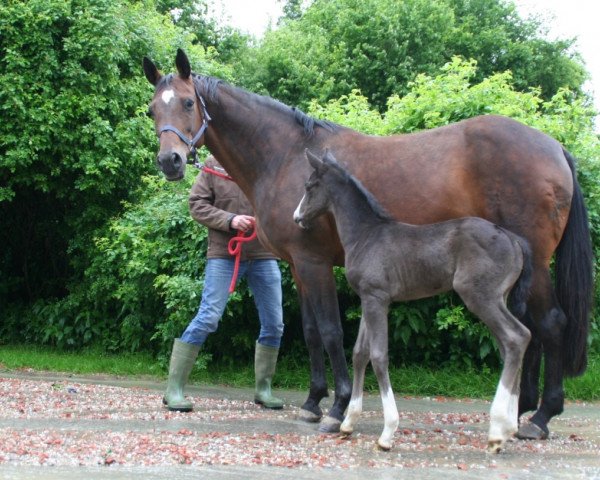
(235, 244)
(235, 248)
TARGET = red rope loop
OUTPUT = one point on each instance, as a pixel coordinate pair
(235, 248)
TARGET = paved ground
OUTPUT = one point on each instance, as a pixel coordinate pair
(108, 428)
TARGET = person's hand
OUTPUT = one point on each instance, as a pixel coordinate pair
(242, 222)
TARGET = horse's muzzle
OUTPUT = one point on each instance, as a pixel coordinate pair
(172, 165)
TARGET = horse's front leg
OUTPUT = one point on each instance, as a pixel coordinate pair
(323, 328)
(310, 410)
(360, 360)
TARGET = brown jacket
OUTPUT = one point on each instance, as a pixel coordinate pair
(214, 201)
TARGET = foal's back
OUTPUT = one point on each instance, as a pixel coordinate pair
(417, 261)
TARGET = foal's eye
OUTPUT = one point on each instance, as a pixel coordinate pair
(188, 104)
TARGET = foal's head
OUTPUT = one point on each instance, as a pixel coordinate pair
(317, 196)
(179, 115)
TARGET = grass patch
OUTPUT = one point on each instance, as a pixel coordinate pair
(88, 361)
(291, 374)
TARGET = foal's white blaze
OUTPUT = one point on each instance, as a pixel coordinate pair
(390, 419)
(503, 415)
(168, 95)
(297, 211)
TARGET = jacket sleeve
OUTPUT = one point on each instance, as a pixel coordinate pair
(202, 208)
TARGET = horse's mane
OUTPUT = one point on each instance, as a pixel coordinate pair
(377, 208)
(209, 86)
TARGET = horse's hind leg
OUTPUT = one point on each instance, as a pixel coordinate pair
(550, 327)
(360, 360)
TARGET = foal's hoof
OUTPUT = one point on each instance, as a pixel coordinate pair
(385, 446)
(329, 425)
(494, 446)
(308, 416)
(531, 431)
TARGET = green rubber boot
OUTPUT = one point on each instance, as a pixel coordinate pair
(182, 361)
(265, 361)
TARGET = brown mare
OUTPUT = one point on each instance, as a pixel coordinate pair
(490, 167)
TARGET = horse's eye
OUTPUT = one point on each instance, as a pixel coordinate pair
(189, 104)
(150, 113)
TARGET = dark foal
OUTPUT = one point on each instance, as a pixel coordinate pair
(391, 261)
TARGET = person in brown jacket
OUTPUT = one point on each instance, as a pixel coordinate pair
(220, 205)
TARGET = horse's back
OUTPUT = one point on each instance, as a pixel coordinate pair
(490, 166)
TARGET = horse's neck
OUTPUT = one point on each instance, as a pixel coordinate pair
(243, 135)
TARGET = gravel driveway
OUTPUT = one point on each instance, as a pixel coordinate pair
(56, 426)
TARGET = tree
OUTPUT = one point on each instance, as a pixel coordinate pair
(74, 140)
(379, 46)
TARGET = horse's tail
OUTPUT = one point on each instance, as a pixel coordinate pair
(517, 299)
(574, 279)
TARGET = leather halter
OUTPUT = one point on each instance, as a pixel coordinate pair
(191, 142)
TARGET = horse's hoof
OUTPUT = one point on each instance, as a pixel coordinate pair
(329, 425)
(308, 416)
(531, 431)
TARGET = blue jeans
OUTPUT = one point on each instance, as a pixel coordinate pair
(264, 280)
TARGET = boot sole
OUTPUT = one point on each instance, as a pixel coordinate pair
(262, 404)
(176, 409)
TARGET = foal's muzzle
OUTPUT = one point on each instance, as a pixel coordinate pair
(299, 222)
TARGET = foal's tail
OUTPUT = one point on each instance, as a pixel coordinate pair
(574, 279)
(517, 299)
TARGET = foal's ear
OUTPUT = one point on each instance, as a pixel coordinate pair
(151, 72)
(183, 64)
(314, 161)
(328, 158)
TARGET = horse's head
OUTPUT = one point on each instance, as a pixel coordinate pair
(316, 200)
(179, 114)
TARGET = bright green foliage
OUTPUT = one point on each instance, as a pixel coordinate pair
(74, 140)
(378, 46)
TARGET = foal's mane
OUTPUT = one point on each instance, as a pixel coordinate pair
(347, 177)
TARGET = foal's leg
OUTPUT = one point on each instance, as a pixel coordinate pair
(360, 360)
(513, 338)
(504, 412)
(375, 312)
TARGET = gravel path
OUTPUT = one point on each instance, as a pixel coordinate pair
(66, 422)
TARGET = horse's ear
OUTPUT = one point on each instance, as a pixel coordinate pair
(152, 73)
(314, 161)
(183, 64)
